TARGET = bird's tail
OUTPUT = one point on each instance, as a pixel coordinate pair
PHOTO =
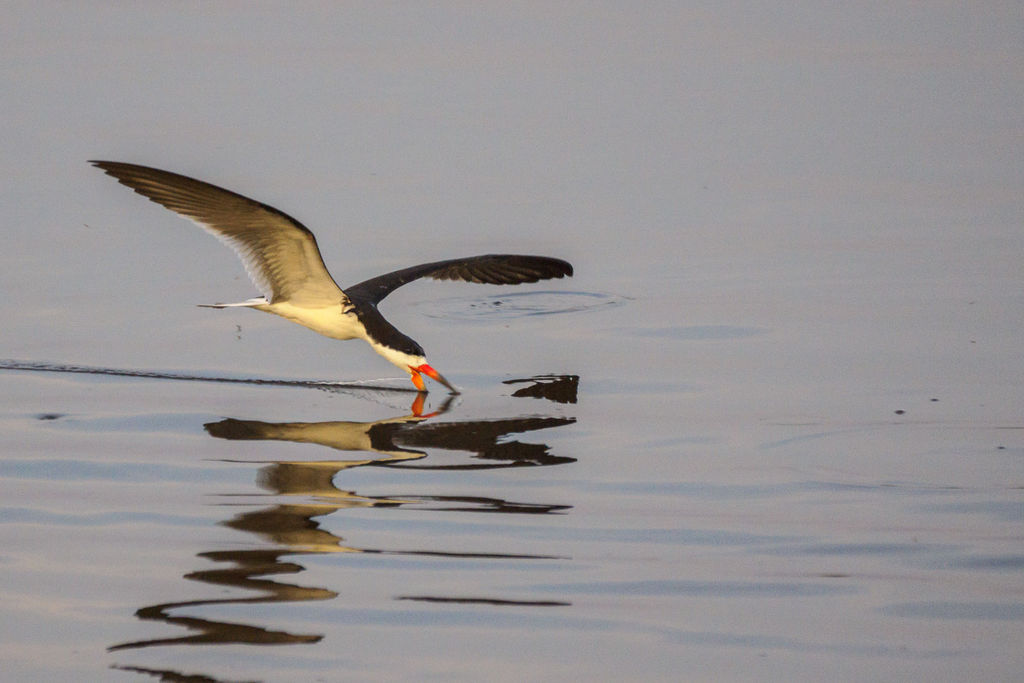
(251, 303)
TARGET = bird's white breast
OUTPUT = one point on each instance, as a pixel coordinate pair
(330, 321)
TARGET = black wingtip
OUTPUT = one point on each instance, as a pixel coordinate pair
(551, 267)
(111, 167)
(108, 167)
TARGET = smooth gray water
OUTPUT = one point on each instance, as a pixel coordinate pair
(771, 430)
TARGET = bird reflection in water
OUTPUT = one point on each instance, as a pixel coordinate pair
(293, 527)
(557, 388)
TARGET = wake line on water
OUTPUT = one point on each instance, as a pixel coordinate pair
(35, 366)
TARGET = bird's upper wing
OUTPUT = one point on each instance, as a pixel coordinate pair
(279, 253)
(492, 269)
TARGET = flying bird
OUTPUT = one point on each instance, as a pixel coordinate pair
(283, 261)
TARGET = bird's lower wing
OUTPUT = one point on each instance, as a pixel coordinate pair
(493, 269)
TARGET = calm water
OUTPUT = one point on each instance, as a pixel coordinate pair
(770, 431)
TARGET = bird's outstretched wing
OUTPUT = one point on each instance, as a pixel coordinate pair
(491, 269)
(280, 254)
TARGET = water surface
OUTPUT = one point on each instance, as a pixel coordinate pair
(771, 430)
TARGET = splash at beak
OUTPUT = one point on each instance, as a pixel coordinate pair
(433, 374)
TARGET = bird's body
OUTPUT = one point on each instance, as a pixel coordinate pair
(284, 262)
(331, 321)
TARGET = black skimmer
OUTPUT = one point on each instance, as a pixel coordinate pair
(283, 261)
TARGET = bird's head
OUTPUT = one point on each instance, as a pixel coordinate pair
(414, 362)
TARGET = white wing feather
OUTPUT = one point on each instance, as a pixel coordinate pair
(280, 255)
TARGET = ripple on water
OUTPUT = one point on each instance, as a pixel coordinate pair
(519, 305)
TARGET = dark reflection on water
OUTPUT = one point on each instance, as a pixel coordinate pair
(171, 676)
(295, 528)
(483, 438)
(557, 388)
(403, 438)
(249, 566)
(484, 601)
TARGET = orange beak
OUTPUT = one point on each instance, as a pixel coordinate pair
(433, 374)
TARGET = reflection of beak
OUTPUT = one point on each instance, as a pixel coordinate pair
(432, 374)
(421, 400)
(417, 404)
